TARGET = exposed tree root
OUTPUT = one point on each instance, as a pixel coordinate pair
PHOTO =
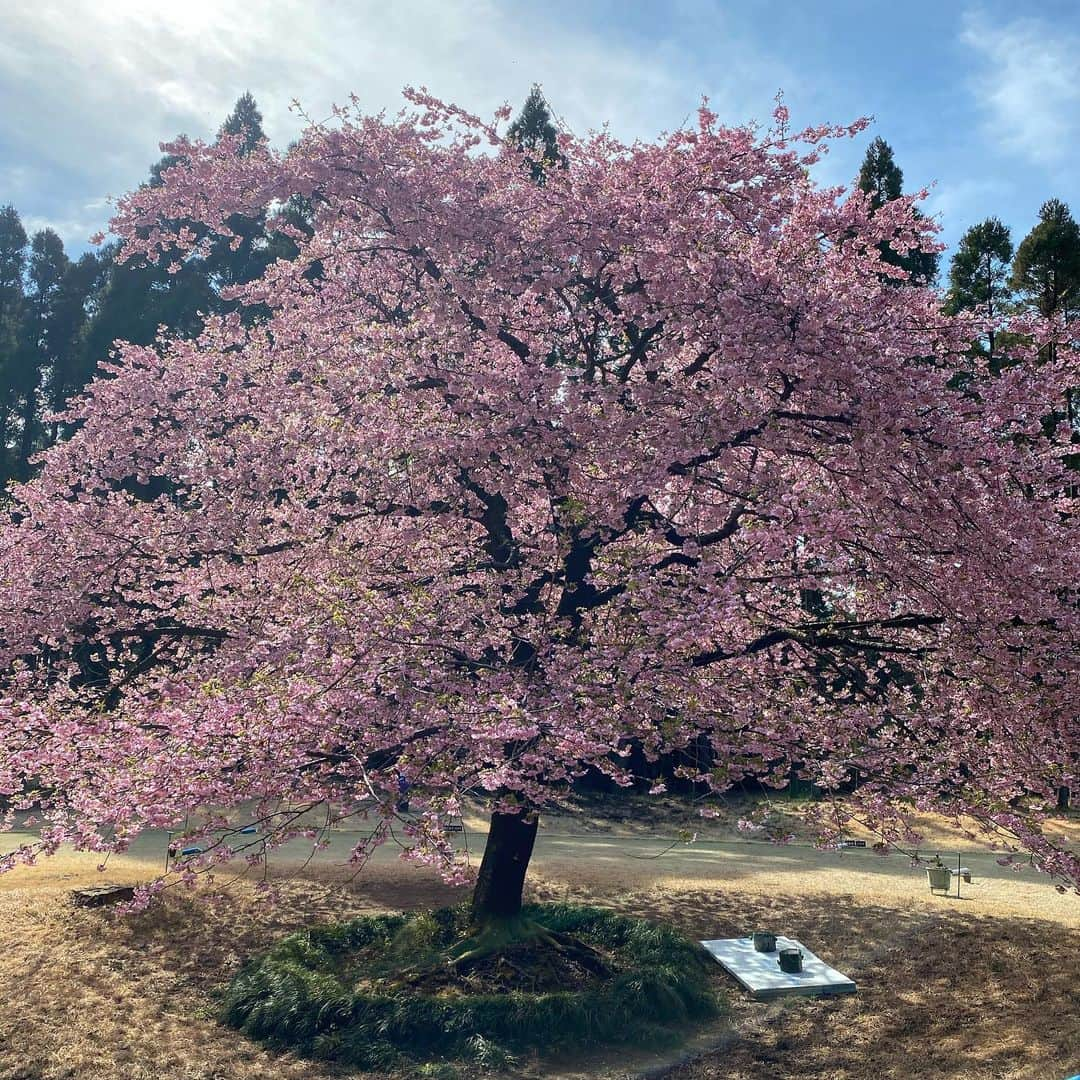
(514, 953)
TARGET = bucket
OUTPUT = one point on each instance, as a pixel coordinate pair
(764, 942)
(939, 877)
(790, 960)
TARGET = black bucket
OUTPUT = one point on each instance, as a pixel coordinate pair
(790, 960)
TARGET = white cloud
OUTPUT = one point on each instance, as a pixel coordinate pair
(97, 85)
(1028, 84)
(962, 203)
(72, 230)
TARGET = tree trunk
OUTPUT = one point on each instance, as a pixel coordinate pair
(1063, 798)
(26, 440)
(502, 871)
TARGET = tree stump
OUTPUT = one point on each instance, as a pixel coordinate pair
(103, 895)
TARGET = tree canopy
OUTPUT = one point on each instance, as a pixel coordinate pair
(526, 473)
(979, 275)
(882, 180)
(1047, 266)
(533, 133)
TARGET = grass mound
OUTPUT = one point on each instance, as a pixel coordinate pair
(378, 992)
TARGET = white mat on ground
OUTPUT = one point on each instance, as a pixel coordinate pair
(761, 975)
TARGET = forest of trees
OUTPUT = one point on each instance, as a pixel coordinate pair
(58, 316)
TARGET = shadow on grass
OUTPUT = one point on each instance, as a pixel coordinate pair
(943, 992)
(940, 994)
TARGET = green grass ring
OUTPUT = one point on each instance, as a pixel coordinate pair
(326, 992)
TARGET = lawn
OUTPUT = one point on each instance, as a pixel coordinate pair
(982, 987)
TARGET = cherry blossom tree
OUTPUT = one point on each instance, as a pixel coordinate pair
(516, 476)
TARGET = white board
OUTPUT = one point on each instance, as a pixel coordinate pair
(761, 975)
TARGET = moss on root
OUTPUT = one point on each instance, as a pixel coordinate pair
(388, 991)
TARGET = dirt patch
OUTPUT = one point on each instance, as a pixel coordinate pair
(523, 966)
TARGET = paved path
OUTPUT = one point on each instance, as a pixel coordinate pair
(612, 864)
(667, 855)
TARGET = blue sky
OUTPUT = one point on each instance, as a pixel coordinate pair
(981, 98)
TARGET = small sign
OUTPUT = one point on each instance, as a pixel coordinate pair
(852, 843)
(455, 828)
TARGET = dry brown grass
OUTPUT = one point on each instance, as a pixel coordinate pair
(85, 995)
(979, 988)
(941, 993)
